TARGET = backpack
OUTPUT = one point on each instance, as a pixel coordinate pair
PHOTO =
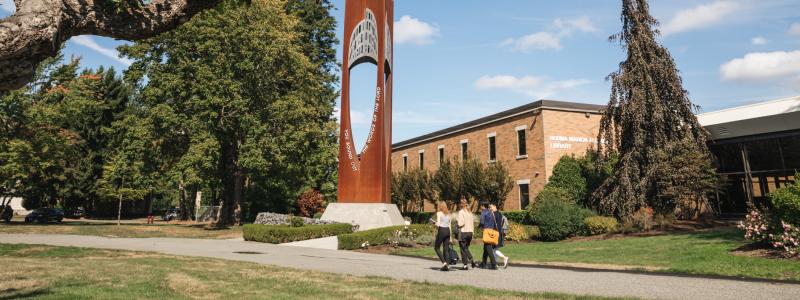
(453, 255)
(505, 225)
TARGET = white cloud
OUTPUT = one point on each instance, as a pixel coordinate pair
(537, 41)
(7, 6)
(413, 31)
(759, 40)
(795, 29)
(550, 39)
(761, 66)
(700, 16)
(534, 86)
(89, 42)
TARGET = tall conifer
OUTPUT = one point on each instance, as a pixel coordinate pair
(648, 114)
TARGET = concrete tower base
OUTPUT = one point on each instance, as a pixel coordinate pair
(366, 215)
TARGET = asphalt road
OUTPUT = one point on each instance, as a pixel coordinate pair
(581, 282)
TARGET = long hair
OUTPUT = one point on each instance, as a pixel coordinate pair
(443, 208)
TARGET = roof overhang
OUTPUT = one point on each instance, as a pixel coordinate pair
(760, 118)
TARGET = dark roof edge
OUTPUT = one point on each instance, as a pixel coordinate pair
(540, 104)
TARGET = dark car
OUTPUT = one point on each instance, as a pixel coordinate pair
(43, 215)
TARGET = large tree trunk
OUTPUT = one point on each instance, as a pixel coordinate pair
(232, 186)
(39, 27)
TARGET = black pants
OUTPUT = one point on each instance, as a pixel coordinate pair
(488, 250)
(464, 240)
(443, 239)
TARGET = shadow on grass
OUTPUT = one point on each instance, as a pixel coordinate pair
(24, 294)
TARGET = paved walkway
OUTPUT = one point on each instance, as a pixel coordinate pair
(329, 243)
(600, 283)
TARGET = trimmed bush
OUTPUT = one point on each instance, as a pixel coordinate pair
(599, 225)
(557, 219)
(518, 216)
(278, 234)
(296, 221)
(568, 175)
(419, 217)
(375, 237)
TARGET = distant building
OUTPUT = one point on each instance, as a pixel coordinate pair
(528, 139)
(757, 147)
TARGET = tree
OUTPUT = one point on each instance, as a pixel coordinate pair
(38, 28)
(472, 179)
(497, 184)
(237, 82)
(568, 175)
(647, 111)
(447, 182)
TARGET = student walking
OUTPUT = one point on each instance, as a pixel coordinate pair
(488, 223)
(443, 235)
(503, 224)
(466, 226)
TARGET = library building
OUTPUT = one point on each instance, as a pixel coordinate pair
(756, 147)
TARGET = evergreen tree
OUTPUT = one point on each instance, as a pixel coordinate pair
(648, 111)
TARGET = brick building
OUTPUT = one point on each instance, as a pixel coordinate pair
(529, 140)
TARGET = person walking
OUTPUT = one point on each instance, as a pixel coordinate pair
(487, 222)
(443, 235)
(466, 226)
(504, 226)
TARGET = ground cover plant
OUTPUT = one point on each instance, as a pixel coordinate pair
(125, 230)
(383, 236)
(142, 275)
(713, 252)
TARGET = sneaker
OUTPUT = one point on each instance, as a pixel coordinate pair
(445, 267)
(465, 267)
(505, 262)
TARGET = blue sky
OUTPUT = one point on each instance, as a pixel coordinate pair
(459, 60)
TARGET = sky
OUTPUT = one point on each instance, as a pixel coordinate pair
(456, 61)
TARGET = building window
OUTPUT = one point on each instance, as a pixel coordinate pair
(522, 151)
(524, 194)
(405, 162)
(464, 150)
(441, 154)
(492, 149)
(421, 160)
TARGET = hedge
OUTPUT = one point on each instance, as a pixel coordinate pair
(599, 225)
(374, 237)
(277, 234)
(518, 216)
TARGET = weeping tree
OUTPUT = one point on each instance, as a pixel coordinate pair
(649, 114)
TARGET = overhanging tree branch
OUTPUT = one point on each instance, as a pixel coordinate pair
(39, 27)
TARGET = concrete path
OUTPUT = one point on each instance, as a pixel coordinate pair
(328, 243)
(600, 283)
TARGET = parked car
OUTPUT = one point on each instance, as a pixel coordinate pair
(170, 214)
(43, 215)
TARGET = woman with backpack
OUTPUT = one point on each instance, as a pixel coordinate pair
(443, 235)
(504, 230)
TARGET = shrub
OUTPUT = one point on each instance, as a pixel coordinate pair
(318, 215)
(296, 221)
(788, 240)
(756, 226)
(643, 219)
(518, 216)
(786, 203)
(516, 233)
(310, 203)
(378, 236)
(568, 175)
(557, 219)
(599, 225)
(409, 236)
(277, 234)
(532, 231)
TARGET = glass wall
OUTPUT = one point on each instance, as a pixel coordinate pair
(753, 167)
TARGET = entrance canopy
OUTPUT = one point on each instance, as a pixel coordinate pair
(755, 119)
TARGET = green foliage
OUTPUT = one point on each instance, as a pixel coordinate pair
(278, 234)
(419, 217)
(448, 182)
(557, 218)
(242, 97)
(649, 117)
(376, 237)
(786, 202)
(296, 222)
(599, 225)
(533, 232)
(497, 184)
(568, 175)
(411, 189)
(518, 216)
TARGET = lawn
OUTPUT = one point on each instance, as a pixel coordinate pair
(46, 272)
(708, 253)
(124, 230)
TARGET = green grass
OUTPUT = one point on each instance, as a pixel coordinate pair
(707, 253)
(124, 230)
(45, 272)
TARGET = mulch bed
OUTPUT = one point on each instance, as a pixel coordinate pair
(763, 251)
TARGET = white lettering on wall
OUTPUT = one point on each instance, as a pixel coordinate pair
(566, 142)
